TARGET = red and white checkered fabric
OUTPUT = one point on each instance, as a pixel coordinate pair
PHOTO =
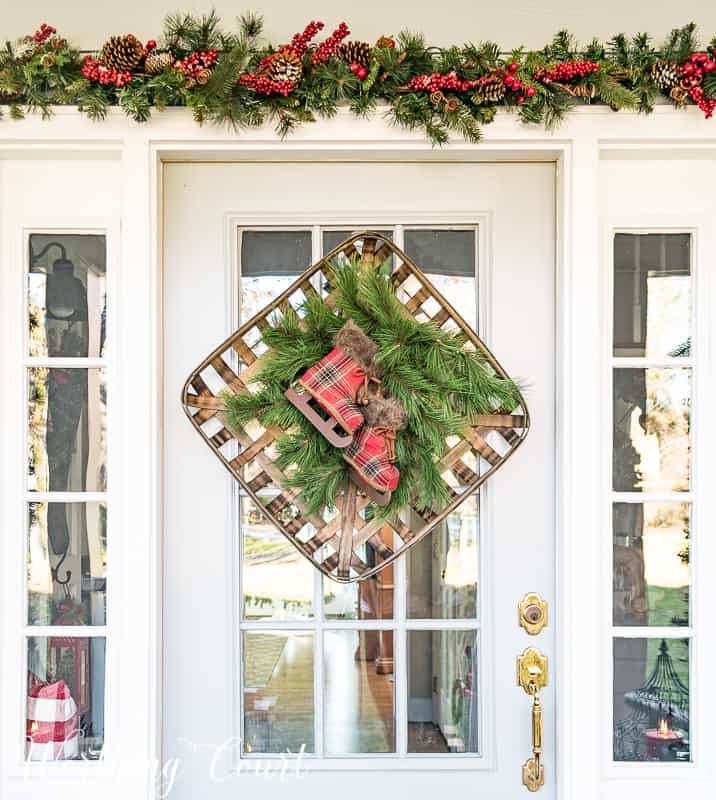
(368, 453)
(334, 382)
(52, 723)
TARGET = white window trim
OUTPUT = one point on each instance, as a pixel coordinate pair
(480, 221)
(703, 552)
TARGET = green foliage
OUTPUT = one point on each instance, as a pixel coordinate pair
(441, 381)
(52, 75)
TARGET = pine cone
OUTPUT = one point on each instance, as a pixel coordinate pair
(6, 92)
(24, 49)
(665, 74)
(285, 65)
(354, 52)
(203, 76)
(123, 53)
(491, 88)
(157, 62)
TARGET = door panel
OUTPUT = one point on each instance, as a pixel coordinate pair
(405, 673)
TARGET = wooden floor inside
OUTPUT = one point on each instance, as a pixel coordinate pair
(357, 702)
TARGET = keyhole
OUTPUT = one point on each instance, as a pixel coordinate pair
(533, 614)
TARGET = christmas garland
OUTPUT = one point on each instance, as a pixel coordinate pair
(232, 78)
(441, 384)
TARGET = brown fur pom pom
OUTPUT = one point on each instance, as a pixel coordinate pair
(385, 412)
(354, 343)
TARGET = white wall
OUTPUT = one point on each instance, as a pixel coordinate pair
(528, 22)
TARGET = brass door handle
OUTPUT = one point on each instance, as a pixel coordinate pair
(532, 676)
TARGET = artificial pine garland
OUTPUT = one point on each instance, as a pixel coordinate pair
(231, 78)
(442, 384)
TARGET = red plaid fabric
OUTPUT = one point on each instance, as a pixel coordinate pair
(52, 723)
(369, 454)
(334, 382)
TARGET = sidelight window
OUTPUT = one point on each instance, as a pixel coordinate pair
(67, 353)
(652, 497)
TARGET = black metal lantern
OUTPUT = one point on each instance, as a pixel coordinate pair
(657, 729)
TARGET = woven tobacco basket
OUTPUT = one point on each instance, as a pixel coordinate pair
(332, 541)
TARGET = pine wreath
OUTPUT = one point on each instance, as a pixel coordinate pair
(441, 382)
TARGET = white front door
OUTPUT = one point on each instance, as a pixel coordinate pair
(272, 674)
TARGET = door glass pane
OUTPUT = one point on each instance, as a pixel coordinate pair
(332, 239)
(65, 698)
(443, 568)
(67, 430)
(67, 563)
(358, 707)
(270, 262)
(276, 580)
(651, 699)
(652, 412)
(278, 691)
(652, 294)
(368, 599)
(651, 564)
(67, 295)
(448, 258)
(443, 711)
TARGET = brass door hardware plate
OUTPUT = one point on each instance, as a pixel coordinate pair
(532, 613)
(532, 676)
(532, 670)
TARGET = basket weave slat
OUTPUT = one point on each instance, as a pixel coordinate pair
(334, 541)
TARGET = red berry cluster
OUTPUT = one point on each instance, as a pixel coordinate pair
(514, 84)
(692, 75)
(567, 71)
(266, 86)
(327, 48)
(95, 70)
(44, 33)
(437, 82)
(299, 43)
(360, 72)
(196, 62)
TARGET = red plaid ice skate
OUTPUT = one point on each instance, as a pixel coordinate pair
(52, 723)
(338, 383)
(371, 454)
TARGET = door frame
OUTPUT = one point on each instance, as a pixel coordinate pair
(586, 137)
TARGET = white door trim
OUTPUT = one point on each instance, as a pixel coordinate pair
(171, 136)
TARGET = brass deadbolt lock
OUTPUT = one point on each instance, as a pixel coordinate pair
(532, 613)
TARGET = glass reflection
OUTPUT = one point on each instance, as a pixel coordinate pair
(651, 700)
(651, 564)
(652, 294)
(270, 262)
(358, 705)
(449, 260)
(652, 412)
(443, 568)
(65, 698)
(67, 430)
(67, 563)
(368, 599)
(67, 295)
(442, 692)
(278, 691)
(277, 581)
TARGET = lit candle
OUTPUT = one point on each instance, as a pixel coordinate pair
(659, 740)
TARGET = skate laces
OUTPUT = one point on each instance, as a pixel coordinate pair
(362, 393)
(389, 437)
